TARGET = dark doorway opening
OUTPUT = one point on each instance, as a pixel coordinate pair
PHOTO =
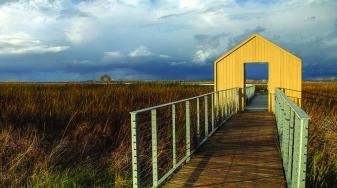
(256, 74)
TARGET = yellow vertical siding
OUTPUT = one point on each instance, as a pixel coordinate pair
(285, 69)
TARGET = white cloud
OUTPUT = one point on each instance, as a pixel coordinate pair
(23, 43)
(112, 55)
(201, 56)
(164, 56)
(81, 30)
(141, 51)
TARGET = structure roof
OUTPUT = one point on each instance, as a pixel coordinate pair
(254, 36)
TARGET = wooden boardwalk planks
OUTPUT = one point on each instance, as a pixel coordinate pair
(258, 103)
(242, 153)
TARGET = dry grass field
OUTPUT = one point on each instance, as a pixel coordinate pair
(320, 102)
(73, 134)
(76, 135)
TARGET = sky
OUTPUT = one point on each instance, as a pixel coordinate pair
(78, 40)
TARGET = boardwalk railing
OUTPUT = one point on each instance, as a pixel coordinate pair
(292, 126)
(165, 136)
(249, 91)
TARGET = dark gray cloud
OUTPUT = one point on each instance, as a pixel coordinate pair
(69, 40)
(211, 41)
(233, 41)
(7, 1)
(311, 18)
(148, 68)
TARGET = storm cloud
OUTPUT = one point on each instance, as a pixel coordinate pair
(62, 40)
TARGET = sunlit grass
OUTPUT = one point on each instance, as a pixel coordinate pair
(75, 135)
(320, 102)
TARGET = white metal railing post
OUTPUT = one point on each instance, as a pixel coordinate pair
(281, 125)
(212, 106)
(217, 105)
(291, 148)
(302, 157)
(285, 136)
(237, 99)
(222, 105)
(229, 103)
(154, 148)
(174, 152)
(198, 120)
(232, 101)
(295, 170)
(135, 151)
(226, 104)
(188, 142)
(206, 116)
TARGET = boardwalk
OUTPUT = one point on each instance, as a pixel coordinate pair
(258, 103)
(242, 153)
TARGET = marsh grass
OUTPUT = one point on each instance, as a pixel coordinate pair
(320, 102)
(74, 135)
(78, 135)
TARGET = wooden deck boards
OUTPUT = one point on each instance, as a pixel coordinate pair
(258, 103)
(242, 153)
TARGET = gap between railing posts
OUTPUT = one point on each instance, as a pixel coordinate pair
(164, 137)
(292, 126)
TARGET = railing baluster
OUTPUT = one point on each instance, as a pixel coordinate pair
(198, 121)
(135, 151)
(294, 179)
(222, 106)
(188, 142)
(217, 106)
(174, 152)
(154, 148)
(231, 99)
(206, 116)
(237, 100)
(285, 136)
(291, 148)
(212, 105)
(229, 103)
(303, 139)
(226, 104)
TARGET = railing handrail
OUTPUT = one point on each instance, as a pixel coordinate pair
(298, 111)
(292, 127)
(217, 107)
(176, 102)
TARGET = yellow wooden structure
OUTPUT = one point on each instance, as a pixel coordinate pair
(284, 68)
